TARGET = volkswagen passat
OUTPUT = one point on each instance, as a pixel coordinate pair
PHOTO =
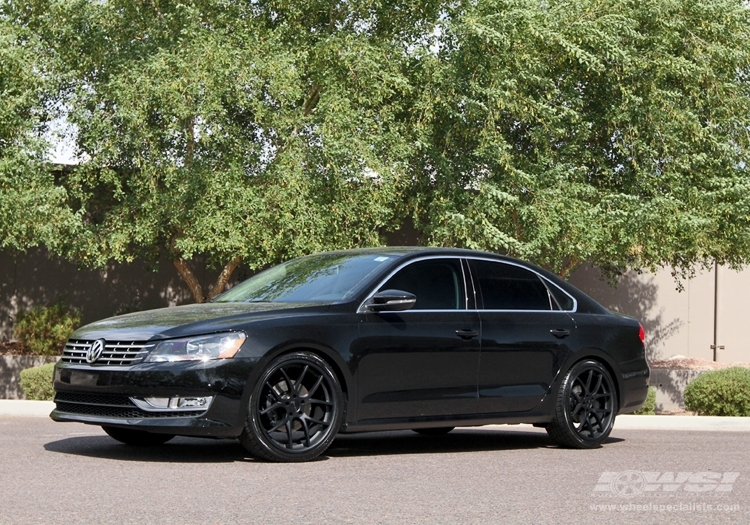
(373, 339)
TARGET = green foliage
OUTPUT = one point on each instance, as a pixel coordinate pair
(44, 329)
(613, 132)
(720, 393)
(33, 207)
(37, 382)
(649, 406)
(608, 131)
(252, 130)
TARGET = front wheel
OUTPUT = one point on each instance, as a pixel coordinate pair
(586, 407)
(295, 409)
(137, 438)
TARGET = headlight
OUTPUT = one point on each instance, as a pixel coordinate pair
(201, 348)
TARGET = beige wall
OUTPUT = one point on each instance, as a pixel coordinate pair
(679, 322)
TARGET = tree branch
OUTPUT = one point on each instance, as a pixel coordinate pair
(190, 279)
(223, 279)
(572, 263)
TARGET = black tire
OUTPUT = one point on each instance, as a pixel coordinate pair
(586, 407)
(137, 438)
(438, 431)
(295, 409)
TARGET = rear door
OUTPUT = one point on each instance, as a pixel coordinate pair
(526, 336)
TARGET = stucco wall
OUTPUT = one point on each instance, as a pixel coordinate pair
(680, 322)
(34, 279)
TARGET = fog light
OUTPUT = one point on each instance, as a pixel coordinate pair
(189, 402)
(168, 404)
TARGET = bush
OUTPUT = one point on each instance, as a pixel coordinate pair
(649, 406)
(44, 330)
(720, 393)
(37, 382)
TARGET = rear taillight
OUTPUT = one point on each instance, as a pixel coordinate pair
(641, 334)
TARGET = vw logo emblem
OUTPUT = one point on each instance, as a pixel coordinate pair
(95, 350)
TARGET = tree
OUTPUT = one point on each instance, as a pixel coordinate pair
(239, 131)
(33, 211)
(607, 131)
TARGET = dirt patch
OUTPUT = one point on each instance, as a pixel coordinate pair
(680, 362)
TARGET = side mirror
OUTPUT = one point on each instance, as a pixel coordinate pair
(390, 301)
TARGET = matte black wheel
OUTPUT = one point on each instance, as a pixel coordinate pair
(295, 409)
(137, 438)
(586, 407)
(439, 431)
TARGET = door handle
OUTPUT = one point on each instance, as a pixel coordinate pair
(560, 333)
(466, 334)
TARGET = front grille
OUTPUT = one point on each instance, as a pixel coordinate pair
(120, 353)
(105, 405)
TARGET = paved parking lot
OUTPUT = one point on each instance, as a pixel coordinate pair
(73, 473)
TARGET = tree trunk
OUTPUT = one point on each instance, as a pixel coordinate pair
(187, 274)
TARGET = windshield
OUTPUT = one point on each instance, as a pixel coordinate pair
(322, 278)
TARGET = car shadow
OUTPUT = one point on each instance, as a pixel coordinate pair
(178, 450)
(405, 442)
(459, 440)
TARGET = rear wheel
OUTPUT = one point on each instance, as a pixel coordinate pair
(137, 438)
(295, 409)
(438, 431)
(586, 407)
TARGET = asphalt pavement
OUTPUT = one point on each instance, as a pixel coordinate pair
(55, 473)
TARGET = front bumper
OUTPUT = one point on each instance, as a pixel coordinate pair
(101, 395)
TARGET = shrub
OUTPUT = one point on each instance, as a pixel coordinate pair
(649, 406)
(44, 330)
(37, 382)
(720, 393)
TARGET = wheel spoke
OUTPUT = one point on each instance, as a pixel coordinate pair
(306, 430)
(298, 384)
(279, 425)
(315, 386)
(587, 385)
(599, 380)
(318, 402)
(290, 443)
(288, 381)
(316, 421)
(275, 394)
(272, 407)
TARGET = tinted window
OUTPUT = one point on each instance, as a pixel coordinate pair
(508, 287)
(564, 300)
(437, 283)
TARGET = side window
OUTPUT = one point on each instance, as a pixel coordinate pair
(508, 287)
(437, 283)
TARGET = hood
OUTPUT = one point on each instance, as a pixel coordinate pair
(177, 321)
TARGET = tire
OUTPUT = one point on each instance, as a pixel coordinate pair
(586, 407)
(137, 438)
(438, 431)
(295, 409)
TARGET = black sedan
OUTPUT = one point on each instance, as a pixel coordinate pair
(361, 340)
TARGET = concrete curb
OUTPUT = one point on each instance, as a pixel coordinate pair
(22, 407)
(711, 423)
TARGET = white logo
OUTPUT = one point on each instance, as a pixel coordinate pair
(630, 483)
(95, 350)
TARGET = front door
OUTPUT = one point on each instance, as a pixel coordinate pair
(420, 363)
